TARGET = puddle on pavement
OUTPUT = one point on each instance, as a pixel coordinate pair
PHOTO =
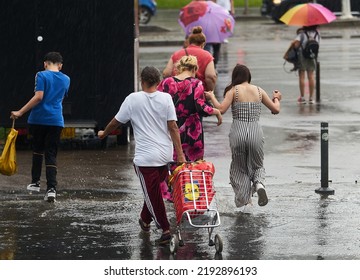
(85, 228)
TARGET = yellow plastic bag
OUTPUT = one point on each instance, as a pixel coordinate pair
(8, 157)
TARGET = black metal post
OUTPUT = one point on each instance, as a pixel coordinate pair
(324, 189)
(317, 82)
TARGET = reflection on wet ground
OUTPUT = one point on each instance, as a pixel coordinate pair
(89, 222)
(85, 229)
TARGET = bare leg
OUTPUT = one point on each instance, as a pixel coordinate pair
(311, 78)
(302, 83)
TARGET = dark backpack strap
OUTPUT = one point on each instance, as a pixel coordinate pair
(316, 34)
(302, 39)
(186, 52)
(307, 35)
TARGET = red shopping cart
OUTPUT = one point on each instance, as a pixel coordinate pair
(194, 201)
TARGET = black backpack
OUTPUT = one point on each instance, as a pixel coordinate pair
(311, 49)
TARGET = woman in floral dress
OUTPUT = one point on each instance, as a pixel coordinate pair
(190, 104)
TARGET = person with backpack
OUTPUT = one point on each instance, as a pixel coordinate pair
(307, 43)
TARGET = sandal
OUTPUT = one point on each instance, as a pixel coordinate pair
(144, 226)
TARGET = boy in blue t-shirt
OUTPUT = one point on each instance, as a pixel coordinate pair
(46, 121)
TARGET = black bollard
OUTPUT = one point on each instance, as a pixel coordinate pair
(324, 189)
(317, 82)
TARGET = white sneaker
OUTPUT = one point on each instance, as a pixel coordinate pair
(34, 187)
(248, 209)
(262, 197)
(245, 209)
(50, 195)
(311, 101)
(301, 100)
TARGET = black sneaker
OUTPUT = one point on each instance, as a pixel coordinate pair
(50, 195)
(144, 227)
(262, 197)
(35, 187)
(164, 239)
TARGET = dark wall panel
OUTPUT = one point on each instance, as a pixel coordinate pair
(95, 38)
(17, 57)
(116, 64)
(69, 27)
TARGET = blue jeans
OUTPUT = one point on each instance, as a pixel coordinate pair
(45, 143)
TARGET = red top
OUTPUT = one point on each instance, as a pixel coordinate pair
(203, 57)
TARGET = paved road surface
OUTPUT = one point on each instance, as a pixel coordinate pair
(99, 198)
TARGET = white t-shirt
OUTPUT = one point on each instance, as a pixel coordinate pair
(149, 114)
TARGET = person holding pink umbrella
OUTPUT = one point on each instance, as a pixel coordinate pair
(214, 47)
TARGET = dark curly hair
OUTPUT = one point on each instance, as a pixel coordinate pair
(54, 57)
(150, 75)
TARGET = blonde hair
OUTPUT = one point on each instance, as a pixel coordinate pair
(187, 62)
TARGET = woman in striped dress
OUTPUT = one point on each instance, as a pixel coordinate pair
(247, 173)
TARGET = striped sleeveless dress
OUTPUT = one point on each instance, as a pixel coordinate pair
(246, 144)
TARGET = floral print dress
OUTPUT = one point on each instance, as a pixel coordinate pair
(190, 104)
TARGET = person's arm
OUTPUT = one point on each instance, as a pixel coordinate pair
(167, 72)
(35, 100)
(296, 44)
(272, 104)
(112, 125)
(175, 137)
(225, 104)
(201, 106)
(218, 115)
(210, 76)
(299, 38)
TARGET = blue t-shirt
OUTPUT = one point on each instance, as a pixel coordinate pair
(55, 86)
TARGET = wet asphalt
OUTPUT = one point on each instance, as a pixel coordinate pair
(99, 199)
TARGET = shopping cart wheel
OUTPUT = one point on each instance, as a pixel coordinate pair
(218, 244)
(174, 243)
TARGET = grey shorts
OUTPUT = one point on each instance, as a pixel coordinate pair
(306, 64)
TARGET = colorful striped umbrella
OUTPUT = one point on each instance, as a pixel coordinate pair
(307, 15)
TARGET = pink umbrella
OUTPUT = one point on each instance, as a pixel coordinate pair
(217, 23)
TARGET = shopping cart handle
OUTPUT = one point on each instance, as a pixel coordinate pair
(170, 164)
(178, 163)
